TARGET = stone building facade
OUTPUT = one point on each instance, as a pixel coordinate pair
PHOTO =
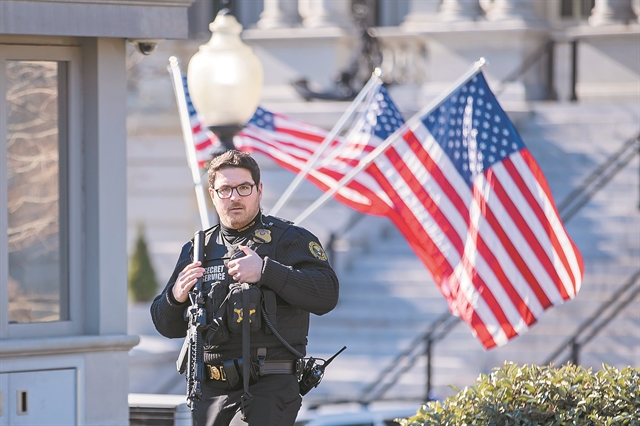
(566, 71)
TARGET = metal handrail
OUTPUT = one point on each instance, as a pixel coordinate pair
(598, 178)
(420, 345)
(567, 209)
(451, 322)
(573, 340)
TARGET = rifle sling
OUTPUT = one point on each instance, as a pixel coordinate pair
(246, 346)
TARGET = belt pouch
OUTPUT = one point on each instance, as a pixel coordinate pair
(216, 332)
(235, 308)
(215, 299)
(233, 378)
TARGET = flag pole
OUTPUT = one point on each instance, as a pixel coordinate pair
(187, 135)
(375, 78)
(393, 138)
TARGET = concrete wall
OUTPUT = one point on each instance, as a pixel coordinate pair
(108, 18)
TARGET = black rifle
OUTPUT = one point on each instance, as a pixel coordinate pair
(197, 319)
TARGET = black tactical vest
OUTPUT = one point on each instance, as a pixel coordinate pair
(290, 322)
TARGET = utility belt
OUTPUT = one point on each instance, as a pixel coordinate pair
(231, 371)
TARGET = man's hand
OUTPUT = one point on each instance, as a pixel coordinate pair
(247, 269)
(186, 280)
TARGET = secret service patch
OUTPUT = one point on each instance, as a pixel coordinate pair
(317, 251)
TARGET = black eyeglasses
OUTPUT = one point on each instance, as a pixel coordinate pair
(243, 190)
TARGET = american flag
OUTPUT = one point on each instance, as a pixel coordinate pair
(475, 207)
(291, 143)
(204, 140)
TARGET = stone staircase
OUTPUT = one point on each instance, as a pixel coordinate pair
(388, 297)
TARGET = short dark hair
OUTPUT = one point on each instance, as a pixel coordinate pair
(234, 158)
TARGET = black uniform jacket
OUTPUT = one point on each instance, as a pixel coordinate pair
(295, 267)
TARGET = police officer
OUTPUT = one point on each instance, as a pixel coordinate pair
(289, 267)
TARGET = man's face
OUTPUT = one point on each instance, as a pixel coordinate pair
(236, 211)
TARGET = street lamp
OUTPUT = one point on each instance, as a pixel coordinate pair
(225, 79)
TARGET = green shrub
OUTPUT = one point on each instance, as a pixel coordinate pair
(142, 277)
(532, 395)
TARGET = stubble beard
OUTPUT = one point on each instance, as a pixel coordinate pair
(238, 218)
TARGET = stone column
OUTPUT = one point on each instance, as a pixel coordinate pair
(327, 13)
(606, 12)
(279, 14)
(460, 10)
(504, 10)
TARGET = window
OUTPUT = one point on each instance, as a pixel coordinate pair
(37, 274)
(38, 279)
(576, 9)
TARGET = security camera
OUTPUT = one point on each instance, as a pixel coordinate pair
(145, 46)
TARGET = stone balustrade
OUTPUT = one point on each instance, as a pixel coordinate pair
(338, 13)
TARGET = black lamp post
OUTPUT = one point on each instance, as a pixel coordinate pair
(225, 80)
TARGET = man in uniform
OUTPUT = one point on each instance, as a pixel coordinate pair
(289, 267)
